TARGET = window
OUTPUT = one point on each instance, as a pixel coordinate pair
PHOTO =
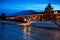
(58, 16)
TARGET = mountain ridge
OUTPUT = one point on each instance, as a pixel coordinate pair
(24, 12)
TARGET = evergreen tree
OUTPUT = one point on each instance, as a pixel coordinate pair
(3, 16)
(48, 10)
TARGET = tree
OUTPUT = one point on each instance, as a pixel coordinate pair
(48, 10)
(3, 16)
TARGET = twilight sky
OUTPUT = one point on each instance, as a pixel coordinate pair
(11, 6)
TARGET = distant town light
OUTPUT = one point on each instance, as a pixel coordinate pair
(34, 18)
(11, 17)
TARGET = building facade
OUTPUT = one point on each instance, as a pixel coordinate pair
(54, 16)
(48, 15)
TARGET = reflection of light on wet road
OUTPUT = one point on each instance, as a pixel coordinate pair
(13, 32)
(27, 32)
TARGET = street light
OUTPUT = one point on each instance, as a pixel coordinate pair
(55, 12)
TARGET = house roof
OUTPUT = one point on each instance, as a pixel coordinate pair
(43, 12)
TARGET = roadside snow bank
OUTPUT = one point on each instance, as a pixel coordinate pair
(44, 24)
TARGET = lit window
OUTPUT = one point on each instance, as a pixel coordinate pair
(58, 16)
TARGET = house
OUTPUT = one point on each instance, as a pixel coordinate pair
(48, 15)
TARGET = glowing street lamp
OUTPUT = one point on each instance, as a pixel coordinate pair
(55, 12)
(25, 19)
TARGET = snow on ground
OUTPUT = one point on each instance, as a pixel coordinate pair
(45, 24)
(34, 23)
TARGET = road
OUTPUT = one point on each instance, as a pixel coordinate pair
(13, 32)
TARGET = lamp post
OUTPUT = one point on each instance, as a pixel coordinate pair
(55, 12)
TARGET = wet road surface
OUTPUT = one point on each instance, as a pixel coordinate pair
(13, 32)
